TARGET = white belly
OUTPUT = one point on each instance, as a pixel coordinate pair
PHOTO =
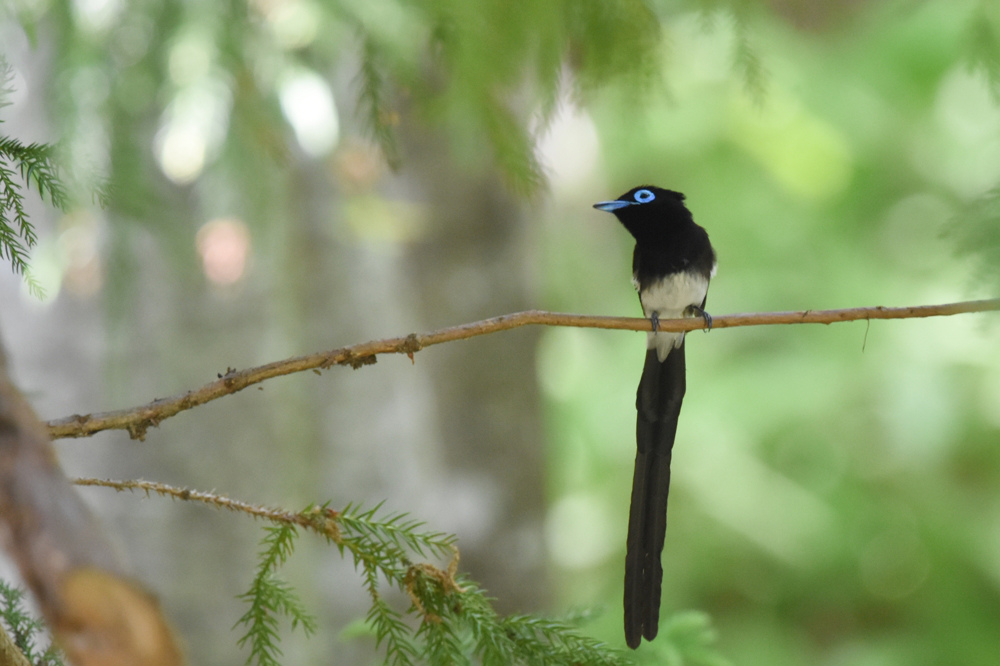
(669, 298)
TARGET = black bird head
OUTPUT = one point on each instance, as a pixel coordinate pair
(649, 213)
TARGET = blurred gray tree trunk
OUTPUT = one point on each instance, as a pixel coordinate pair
(474, 262)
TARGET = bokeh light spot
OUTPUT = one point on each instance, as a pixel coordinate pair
(224, 247)
(181, 152)
(307, 103)
(578, 531)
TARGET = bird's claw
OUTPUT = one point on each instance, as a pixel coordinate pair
(695, 310)
(655, 321)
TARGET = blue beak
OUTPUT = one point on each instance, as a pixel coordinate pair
(611, 206)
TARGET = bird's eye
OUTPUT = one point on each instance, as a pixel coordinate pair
(644, 196)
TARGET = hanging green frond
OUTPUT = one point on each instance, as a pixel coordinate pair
(746, 62)
(270, 597)
(549, 72)
(976, 232)
(17, 235)
(984, 48)
(6, 82)
(23, 167)
(373, 103)
(36, 165)
(513, 148)
(392, 634)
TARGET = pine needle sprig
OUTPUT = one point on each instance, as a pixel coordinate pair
(37, 166)
(397, 529)
(527, 639)
(747, 64)
(387, 623)
(24, 167)
(450, 620)
(270, 597)
(24, 629)
(17, 236)
(983, 47)
(374, 104)
(454, 618)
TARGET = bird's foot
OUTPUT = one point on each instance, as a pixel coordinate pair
(655, 321)
(695, 311)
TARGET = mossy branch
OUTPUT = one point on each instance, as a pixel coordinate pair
(137, 420)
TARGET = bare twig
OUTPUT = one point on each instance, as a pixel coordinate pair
(317, 518)
(137, 420)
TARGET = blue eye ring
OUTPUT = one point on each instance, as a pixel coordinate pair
(644, 196)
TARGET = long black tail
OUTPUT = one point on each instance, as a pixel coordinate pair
(661, 391)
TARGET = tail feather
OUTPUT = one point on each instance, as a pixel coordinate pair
(658, 402)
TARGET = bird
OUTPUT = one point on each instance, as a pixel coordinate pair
(672, 264)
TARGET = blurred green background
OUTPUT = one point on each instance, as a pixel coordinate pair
(289, 176)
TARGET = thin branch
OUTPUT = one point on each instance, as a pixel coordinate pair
(313, 519)
(137, 420)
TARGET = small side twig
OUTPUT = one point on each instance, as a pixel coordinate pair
(137, 420)
(317, 519)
